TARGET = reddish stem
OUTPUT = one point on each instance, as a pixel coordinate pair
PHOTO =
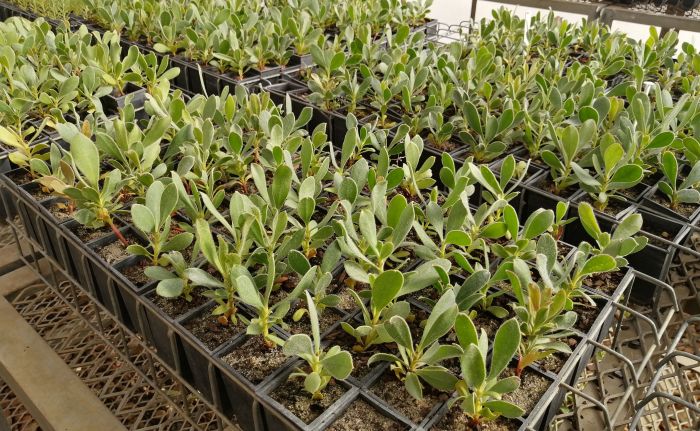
(119, 235)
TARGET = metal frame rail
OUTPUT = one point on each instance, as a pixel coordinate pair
(641, 13)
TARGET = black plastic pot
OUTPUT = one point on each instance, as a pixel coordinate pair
(92, 272)
(373, 402)
(649, 203)
(300, 61)
(276, 415)
(574, 233)
(114, 103)
(238, 395)
(52, 240)
(160, 331)
(28, 211)
(197, 356)
(338, 128)
(185, 79)
(655, 259)
(5, 165)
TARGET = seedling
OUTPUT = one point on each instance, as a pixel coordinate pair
(480, 390)
(420, 362)
(96, 196)
(685, 192)
(322, 366)
(154, 220)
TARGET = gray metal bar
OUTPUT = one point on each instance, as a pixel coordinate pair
(591, 10)
(678, 22)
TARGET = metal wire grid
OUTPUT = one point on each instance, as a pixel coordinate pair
(113, 362)
(116, 382)
(607, 379)
(662, 9)
(13, 412)
(448, 33)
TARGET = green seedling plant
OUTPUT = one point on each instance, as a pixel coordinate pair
(325, 83)
(621, 242)
(267, 314)
(116, 72)
(190, 198)
(503, 187)
(55, 174)
(442, 234)
(316, 233)
(228, 258)
(420, 362)
(320, 281)
(372, 248)
(441, 131)
(171, 276)
(417, 177)
(154, 220)
(684, 193)
(569, 274)
(383, 93)
(542, 317)
(480, 391)
(96, 196)
(133, 151)
(614, 171)
(354, 91)
(523, 240)
(560, 219)
(486, 135)
(384, 290)
(568, 145)
(321, 366)
(25, 145)
(303, 32)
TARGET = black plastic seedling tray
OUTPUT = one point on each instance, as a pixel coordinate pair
(200, 364)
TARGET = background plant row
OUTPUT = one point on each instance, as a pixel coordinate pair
(236, 36)
(597, 109)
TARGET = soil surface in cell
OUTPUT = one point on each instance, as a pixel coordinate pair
(393, 391)
(686, 210)
(60, 211)
(209, 331)
(174, 307)
(86, 234)
(548, 185)
(532, 387)
(456, 420)
(254, 360)
(605, 282)
(555, 362)
(115, 250)
(613, 208)
(587, 314)
(361, 416)
(135, 274)
(292, 395)
(303, 326)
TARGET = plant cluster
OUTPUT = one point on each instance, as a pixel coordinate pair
(235, 37)
(52, 77)
(237, 200)
(255, 200)
(597, 110)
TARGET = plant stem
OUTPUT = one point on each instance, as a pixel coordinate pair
(119, 235)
